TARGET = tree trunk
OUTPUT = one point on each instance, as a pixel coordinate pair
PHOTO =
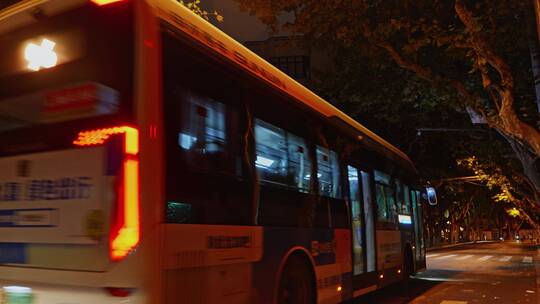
(535, 63)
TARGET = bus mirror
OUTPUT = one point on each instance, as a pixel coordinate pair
(431, 196)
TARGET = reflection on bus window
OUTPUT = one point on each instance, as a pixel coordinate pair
(299, 163)
(282, 158)
(328, 173)
(203, 127)
(385, 193)
(271, 149)
(354, 192)
(406, 207)
(370, 225)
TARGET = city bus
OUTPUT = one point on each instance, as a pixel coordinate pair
(147, 157)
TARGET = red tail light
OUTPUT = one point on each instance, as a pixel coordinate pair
(125, 230)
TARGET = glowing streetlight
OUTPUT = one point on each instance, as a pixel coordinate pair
(41, 56)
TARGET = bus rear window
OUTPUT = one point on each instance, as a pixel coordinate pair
(73, 66)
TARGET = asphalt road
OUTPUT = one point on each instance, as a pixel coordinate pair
(480, 273)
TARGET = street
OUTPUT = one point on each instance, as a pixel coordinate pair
(479, 273)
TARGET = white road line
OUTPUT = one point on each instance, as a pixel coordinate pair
(527, 259)
(485, 258)
(453, 302)
(505, 258)
(464, 257)
(445, 257)
(433, 255)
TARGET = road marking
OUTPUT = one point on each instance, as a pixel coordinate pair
(433, 255)
(453, 302)
(505, 258)
(464, 257)
(446, 257)
(485, 258)
(527, 259)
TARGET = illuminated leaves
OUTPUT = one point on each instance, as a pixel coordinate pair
(195, 6)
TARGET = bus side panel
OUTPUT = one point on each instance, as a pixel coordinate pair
(326, 253)
(389, 256)
(210, 263)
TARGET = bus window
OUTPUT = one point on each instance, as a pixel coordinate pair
(369, 220)
(385, 193)
(299, 163)
(328, 173)
(205, 182)
(357, 222)
(271, 149)
(203, 134)
(406, 206)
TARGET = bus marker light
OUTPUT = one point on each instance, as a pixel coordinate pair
(105, 2)
(399, 271)
(40, 56)
(339, 288)
(381, 276)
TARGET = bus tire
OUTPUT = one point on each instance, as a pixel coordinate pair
(296, 284)
(408, 263)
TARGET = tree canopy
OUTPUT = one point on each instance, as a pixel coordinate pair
(462, 55)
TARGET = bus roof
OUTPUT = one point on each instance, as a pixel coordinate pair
(209, 35)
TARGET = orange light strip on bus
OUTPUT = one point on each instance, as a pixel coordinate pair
(128, 236)
(125, 236)
(104, 2)
(100, 136)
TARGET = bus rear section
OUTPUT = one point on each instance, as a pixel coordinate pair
(69, 188)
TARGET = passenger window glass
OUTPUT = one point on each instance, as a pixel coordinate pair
(328, 173)
(271, 149)
(299, 163)
(406, 207)
(203, 127)
(385, 193)
(357, 223)
(204, 134)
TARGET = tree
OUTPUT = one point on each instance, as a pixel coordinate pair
(473, 53)
(195, 6)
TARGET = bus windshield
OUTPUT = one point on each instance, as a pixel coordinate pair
(72, 69)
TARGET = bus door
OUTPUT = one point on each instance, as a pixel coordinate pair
(419, 251)
(363, 231)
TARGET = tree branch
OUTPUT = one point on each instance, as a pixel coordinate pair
(423, 72)
(482, 48)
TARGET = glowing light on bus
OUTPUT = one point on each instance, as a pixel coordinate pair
(100, 136)
(105, 2)
(125, 232)
(41, 56)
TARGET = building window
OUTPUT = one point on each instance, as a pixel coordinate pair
(295, 66)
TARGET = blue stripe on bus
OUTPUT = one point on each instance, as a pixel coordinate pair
(12, 253)
(277, 242)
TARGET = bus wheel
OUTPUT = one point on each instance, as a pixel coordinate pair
(296, 283)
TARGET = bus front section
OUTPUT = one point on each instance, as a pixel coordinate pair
(69, 168)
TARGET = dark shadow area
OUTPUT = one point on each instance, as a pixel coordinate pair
(399, 293)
